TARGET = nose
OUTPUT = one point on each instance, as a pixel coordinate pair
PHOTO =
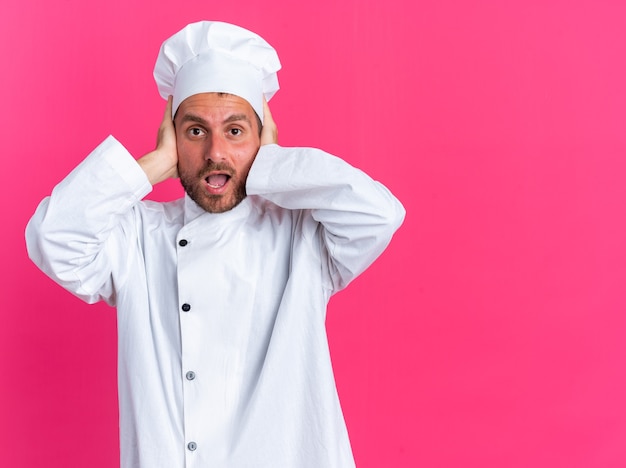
(215, 149)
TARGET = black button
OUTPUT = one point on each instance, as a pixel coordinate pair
(186, 307)
(190, 375)
(192, 446)
(182, 242)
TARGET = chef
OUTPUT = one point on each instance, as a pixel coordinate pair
(221, 295)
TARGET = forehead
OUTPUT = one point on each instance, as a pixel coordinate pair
(215, 107)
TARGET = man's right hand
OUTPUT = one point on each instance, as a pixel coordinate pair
(162, 163)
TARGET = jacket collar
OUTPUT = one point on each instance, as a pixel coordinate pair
(193, 211)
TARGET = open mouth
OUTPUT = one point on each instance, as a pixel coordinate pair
(217, 181)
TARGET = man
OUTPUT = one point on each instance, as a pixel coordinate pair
(221, 296)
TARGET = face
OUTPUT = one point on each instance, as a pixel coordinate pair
(217, 137)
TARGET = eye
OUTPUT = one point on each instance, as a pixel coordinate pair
(195, 132)
(235, 131)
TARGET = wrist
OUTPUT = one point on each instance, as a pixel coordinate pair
(157, 167)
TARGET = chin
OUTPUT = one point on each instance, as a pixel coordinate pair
(217, 204)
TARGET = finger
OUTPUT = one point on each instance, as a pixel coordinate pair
(269, 133)
(267, 114)
(168, 109)
(167, 123)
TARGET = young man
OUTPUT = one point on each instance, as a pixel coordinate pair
(221, 296)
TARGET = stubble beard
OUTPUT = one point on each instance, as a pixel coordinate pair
(193, 185)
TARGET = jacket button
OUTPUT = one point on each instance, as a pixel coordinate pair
(186, 307)
(190, 375)
(182, 242)
(192, 446)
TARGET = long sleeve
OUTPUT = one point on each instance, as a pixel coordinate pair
(358, 215)
(71, 229)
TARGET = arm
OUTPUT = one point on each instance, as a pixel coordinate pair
(358, 215)
(80, 232)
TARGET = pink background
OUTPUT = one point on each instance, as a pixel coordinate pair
(490, 334)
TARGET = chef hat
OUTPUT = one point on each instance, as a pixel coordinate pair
(210, 56)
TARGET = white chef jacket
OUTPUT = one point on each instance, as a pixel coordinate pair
(223, 355)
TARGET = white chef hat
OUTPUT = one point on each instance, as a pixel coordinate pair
(210, 56)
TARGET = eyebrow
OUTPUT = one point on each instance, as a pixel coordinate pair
(229, 119)
(238, 117)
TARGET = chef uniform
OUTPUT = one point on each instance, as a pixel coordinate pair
(223, 355)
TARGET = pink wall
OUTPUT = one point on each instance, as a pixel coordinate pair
(490, 334)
